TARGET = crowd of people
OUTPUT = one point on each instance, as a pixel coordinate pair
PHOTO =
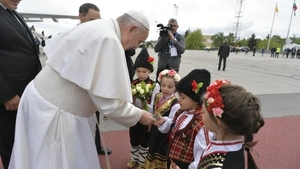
(49, 115)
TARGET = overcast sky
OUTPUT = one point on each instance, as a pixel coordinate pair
(211, 16)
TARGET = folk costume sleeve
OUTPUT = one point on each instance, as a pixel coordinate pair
(201, 141)
(173, 110)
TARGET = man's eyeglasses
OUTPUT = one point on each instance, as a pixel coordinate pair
(173, 26)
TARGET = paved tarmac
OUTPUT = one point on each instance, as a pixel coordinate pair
(276, 81)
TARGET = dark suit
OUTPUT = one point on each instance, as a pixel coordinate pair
(223, 53)
(19, 64)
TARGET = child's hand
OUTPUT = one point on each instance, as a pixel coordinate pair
(159, 119)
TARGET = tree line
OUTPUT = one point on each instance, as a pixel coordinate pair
(194, 40)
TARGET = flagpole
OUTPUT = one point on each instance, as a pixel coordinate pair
(270, 36)
(287, 36)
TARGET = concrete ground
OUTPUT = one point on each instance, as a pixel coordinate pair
(276, 81)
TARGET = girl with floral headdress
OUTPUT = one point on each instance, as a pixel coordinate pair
(165, 104)
(234, 115)
(187, 125)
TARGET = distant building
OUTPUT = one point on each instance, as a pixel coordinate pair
(207, 40)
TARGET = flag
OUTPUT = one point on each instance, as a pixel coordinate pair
(276, 9)
(295, 8)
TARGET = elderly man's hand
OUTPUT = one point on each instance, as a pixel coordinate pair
(147, 119)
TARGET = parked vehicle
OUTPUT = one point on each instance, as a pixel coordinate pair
(244, 48)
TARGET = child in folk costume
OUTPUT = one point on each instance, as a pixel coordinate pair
(139, 134)
(187, 124)
(234, 115)
(165, 104)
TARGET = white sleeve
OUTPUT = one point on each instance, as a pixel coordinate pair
(201, 142)
(155, 91)
(173, 110)
(119, 111)
(166, 126)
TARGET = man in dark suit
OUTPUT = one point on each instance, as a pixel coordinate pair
(223, 53)
(19, 64)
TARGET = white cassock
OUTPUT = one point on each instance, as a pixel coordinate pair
(85, 71)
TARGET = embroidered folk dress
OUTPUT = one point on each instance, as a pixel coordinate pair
(157, 153)
(190, 127)
(55, 126)
(223, 155)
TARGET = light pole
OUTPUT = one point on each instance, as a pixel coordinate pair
(176, 10)
(156, 31)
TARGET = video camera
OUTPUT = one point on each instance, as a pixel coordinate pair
(164, 30)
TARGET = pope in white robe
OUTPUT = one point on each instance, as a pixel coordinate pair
(85, 71)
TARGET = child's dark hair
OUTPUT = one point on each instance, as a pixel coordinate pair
(241, 114)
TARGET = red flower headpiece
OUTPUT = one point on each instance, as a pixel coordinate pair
(150, 60)
(214, 102)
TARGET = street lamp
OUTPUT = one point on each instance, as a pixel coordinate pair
(176, 10)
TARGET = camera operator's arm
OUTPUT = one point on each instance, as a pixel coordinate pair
(179, 42)
(160, 43)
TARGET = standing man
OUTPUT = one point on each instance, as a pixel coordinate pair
(263, 50)
(277, 52)
(223, 53)
(37, 43)
(53, 128)
(273, 50)
(170, 47)
(254, 50)
(19, 64)
(89, 12)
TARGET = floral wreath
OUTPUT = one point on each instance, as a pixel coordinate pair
(171, 73)
(214, 102)
(150, 60)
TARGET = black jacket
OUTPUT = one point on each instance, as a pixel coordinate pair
(224, 50)
(19, 60)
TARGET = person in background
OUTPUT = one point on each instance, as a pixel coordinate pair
(223, 53)
(170, 46)
(19, 64)
(254, 50)
(88, 12)
(43, 43)
(263, 50)
(277, 52)
(298, 53)
(53, 127)
(37, 43)
(293, 52)
(273, 50)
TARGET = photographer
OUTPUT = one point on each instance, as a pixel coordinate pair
(170, 45)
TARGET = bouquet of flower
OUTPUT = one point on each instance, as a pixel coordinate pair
(143, 91)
